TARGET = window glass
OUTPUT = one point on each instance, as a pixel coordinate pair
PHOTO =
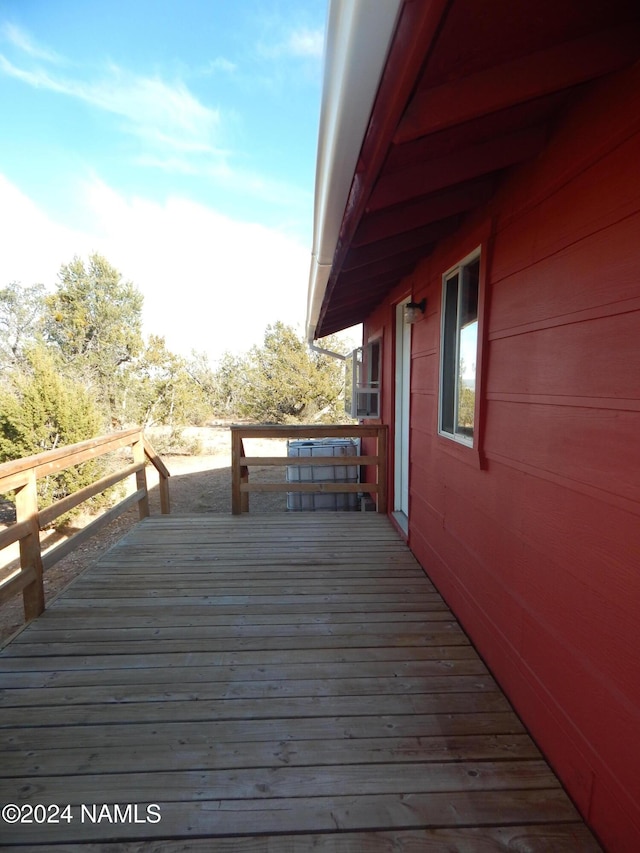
(369, 382)
(362, 381)
(459, 352)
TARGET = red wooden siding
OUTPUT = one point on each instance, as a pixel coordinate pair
(538, 552)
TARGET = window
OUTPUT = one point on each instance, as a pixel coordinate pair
(459, 351)
(362, 382)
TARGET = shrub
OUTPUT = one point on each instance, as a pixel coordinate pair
(41, 410)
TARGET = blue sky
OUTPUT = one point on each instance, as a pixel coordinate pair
(176, 137)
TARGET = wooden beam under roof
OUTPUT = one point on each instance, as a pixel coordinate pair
(397, 245)
(457, 105)
(456, 168)
(532, 76)
(372, 283)
(402, 260)
(478, 130)
(423, 211)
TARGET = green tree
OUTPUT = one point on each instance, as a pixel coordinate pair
(95, 320)
(283, 381)
(466, 398)
(168, 389)
(21, 310)
(228, 379)
(205, 385)
(466, 406)
(41, 409)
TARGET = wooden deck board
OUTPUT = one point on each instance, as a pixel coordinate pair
(561, 838)
(286, 684)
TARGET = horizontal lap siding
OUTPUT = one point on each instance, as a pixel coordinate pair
(588, 448)
(539, 552)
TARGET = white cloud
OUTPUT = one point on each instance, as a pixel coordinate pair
(300, 43)
(33, 246)
(174, 130)
(209, 282)
(306, 42)
(166, 115)
(220, 63)
(277, 193)
(20, 39)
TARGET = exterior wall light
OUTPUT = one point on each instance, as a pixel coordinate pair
(414, 311)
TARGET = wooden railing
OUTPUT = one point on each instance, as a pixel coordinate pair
(241, 486)
(21, 476)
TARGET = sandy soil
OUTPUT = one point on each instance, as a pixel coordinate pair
(198, 484)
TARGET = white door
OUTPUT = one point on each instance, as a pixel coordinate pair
(403, 387)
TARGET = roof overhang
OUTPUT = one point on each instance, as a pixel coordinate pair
(426, 104)
(356, 45)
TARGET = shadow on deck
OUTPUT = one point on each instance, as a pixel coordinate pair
(282, 684)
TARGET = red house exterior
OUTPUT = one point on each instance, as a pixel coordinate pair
(495, 172)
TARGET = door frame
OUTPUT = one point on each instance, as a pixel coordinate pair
(402, 412)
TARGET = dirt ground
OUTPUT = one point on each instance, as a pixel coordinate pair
(198, 484)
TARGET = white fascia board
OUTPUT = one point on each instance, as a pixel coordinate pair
(357, 40)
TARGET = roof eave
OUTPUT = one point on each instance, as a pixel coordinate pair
(356, 47)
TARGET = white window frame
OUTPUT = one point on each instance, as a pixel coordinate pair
(362, 380)
(444, 408)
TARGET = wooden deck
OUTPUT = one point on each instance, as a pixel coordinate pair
(275, 683)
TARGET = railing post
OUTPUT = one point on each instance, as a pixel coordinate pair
(244, 478)
(163, 477)
(163, 486)
(139, 458)
(21, 476)
(381, 451)
(236, 453)
(30, 552)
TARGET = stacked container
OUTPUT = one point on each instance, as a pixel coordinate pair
(338, 473)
